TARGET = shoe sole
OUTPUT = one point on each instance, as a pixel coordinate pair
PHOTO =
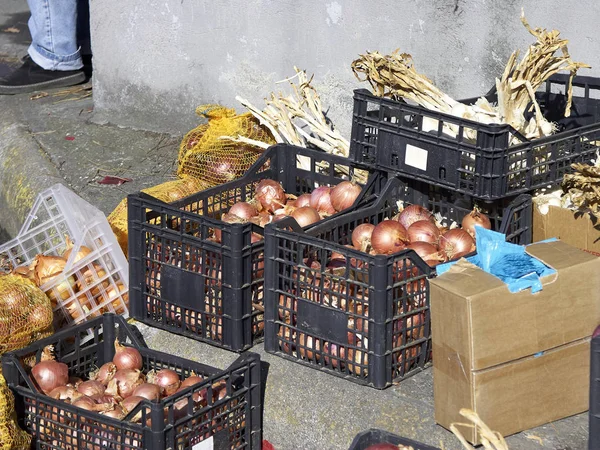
(71, 80)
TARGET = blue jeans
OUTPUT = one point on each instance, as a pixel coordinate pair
(59, 29)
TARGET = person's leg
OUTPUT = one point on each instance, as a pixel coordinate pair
(53, 27)
(54, 55)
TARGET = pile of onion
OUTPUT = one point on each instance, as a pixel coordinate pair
(117, 387)
(76, 292)
(415, 228)
(271, 203)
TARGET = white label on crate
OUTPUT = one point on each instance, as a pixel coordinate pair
(416, 157)
(206, 444)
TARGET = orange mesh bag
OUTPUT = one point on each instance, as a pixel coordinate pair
(167, 192)
(205, 155)
(25, 313)
(25, 316)
(11, 436)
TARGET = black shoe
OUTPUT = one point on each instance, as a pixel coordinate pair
(30, 77)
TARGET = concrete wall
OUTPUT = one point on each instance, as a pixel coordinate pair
(156, 60)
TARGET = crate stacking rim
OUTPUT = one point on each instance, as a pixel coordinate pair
(475, 158)
(362, 317)
(89, 287)
(185, 282)
(229, 421)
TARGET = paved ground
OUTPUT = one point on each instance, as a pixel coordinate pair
(52, 138)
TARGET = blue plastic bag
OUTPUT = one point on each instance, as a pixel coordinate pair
(505, 260)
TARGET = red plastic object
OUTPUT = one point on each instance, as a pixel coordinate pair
(266, 445)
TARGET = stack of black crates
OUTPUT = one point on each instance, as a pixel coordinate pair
(366, 317)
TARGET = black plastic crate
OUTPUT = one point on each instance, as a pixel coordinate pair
(594, 413)
(186, 283)
(373, 436)
(232, 422)
(410, 140)
(320, 317)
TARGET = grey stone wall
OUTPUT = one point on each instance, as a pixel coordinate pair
(156, 60)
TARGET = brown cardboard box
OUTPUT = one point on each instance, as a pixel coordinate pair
(483, 337)
(515, 396)
(575, 229)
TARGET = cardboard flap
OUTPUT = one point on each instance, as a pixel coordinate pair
(558, 254)
(467, 279)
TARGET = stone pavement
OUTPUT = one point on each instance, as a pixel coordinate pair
(53, 137)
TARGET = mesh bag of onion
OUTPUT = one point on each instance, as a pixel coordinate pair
(197, 264)
(67, 248)
(204, 155)
(356, 305)
(11, 436)
(113, 392)
(25, 313)
(167, 192)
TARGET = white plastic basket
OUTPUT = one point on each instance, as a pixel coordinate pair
(95, 284)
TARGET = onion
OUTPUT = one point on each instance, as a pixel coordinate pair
(228, 218)
(48, 373)
(261, 219)
(388, 237)
(222, 170)
(305, 343)
(91, 388)
(88, 403)
(25, 271)
(82, 253)
(344, 195)
(302, 200)
(320, 199)
(124, 383)
(127, 357)
(361, 236)
(333, 353)
(427, 252)
(424, 231)
(104, 398)
(306, 215)
(131, 402)
(243, 210)
(63, 392)
(48, 269)
(475, 217)
(166, 379)
(270, 194)
(148, 391)
(412, 214)
(456, 243)
(117, 412)
(40, 316)
(105, 373)
(193, 380)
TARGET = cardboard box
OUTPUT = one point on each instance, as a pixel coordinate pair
(515, 396)
(576, 229)
(484, 339)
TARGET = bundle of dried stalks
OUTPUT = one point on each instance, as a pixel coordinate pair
(395, 76)
(289, 116)
(582, 187)
(490, 440)
(516, 88)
